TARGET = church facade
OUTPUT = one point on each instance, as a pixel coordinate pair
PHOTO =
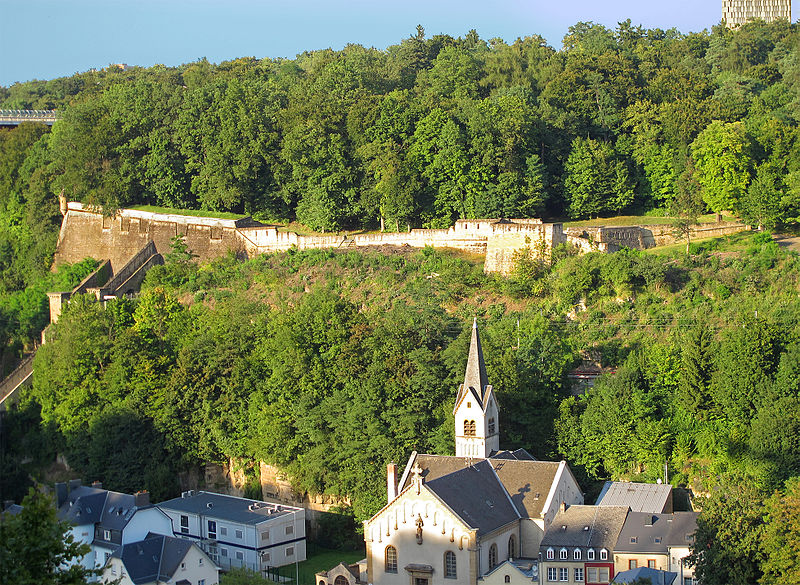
(452, 519)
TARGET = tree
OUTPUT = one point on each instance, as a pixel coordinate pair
(596, 180)
(36, 548)
(722, 162)
(687, 204)
(781, 536)
(727, 544)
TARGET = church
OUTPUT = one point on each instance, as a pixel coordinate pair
(453, 519)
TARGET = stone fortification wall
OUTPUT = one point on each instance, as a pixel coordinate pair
(87, 233)
(642, 237)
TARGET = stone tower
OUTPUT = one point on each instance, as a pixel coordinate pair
(477, 429)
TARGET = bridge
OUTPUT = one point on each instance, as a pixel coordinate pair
(17, 117)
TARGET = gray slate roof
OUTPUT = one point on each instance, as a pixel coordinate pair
(586, 526)
(527, 482)
(656, 576)
(655, 533)
(639, 497)
(477, 496)
(475, 379)
(225, 507)
(157, 557)
(90, 505)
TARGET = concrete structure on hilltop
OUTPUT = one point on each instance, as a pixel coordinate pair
(451, 520)
(237, 532)
(738, 12)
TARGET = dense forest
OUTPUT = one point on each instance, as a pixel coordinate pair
(332, 364)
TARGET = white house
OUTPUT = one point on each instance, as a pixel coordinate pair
(453, 519)
(237, 532)
(106, 520)
(160, 560)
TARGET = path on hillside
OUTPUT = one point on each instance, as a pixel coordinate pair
(788, 242)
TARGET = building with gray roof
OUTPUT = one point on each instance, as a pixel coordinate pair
(655, 576)
(639, 497)
(161, 559)
(579, 544)
(106, 520)
(657, 541)
(239, 532)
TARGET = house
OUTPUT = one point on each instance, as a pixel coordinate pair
(341, 574)
(657, 541)
(159, 559)
(514, 571)
(238, 532)
(578, 547)
(454, 519)
(655, 576)
(655, 498)
(107, 520)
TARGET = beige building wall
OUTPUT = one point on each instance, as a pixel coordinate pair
(622, 561)
(738, 12)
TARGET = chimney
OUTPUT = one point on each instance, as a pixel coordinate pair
(61, 494)
(141, 499)
(97, 484)
(74, 483)
(391, 481)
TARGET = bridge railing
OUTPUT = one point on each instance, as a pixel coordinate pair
(17, 116)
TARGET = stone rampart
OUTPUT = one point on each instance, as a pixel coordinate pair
(643, 237)
(87, 233)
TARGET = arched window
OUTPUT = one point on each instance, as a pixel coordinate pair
(321, 583)
(551, 554)
(492, 556)
(590, 554)
(340, 580)
(603, 554)
(508, 579)
(391, 559)
(469, 428)
(492, 428)
(576, 554)
(562, 554)
(512, 546)
(450, 565)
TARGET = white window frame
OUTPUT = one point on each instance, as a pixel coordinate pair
(603, 554)
(576, 554)
(563, 554)
(552, 574)
(590, 554)
(239, 534)
(563, 574)
(551, 554)
(579, 574)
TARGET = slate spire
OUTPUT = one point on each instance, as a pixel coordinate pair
(475, 376)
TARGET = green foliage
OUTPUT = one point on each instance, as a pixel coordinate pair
(36, 548)
(781, 538)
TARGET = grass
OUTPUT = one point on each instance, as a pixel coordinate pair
(730, 243)
(625, 220)
(320, 559)
(189, 212)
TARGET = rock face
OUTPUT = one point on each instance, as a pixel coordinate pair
(87, 233)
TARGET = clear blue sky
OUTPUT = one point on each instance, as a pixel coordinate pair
(43, 39)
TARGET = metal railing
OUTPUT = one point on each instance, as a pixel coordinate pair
(15, 117)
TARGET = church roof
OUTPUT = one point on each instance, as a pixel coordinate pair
(477, 496)
(526, 482)
(475, 379)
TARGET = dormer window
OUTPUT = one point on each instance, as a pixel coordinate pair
(590, 554)
(551, 554)
(576, 554)
(603, 555)
(562, 554)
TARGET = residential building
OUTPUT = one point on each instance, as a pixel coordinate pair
(653, 576)
(578, 547)
(738, 12)
(639, 497)
(657, 541)
(107, 520)
(453, 519)
(238, 532)
(160, 560)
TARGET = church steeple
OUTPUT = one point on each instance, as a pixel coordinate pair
(475, 376)
(475, 411)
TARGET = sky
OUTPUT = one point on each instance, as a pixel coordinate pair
(44, 39)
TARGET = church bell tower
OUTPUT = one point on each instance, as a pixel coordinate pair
(477, 429)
